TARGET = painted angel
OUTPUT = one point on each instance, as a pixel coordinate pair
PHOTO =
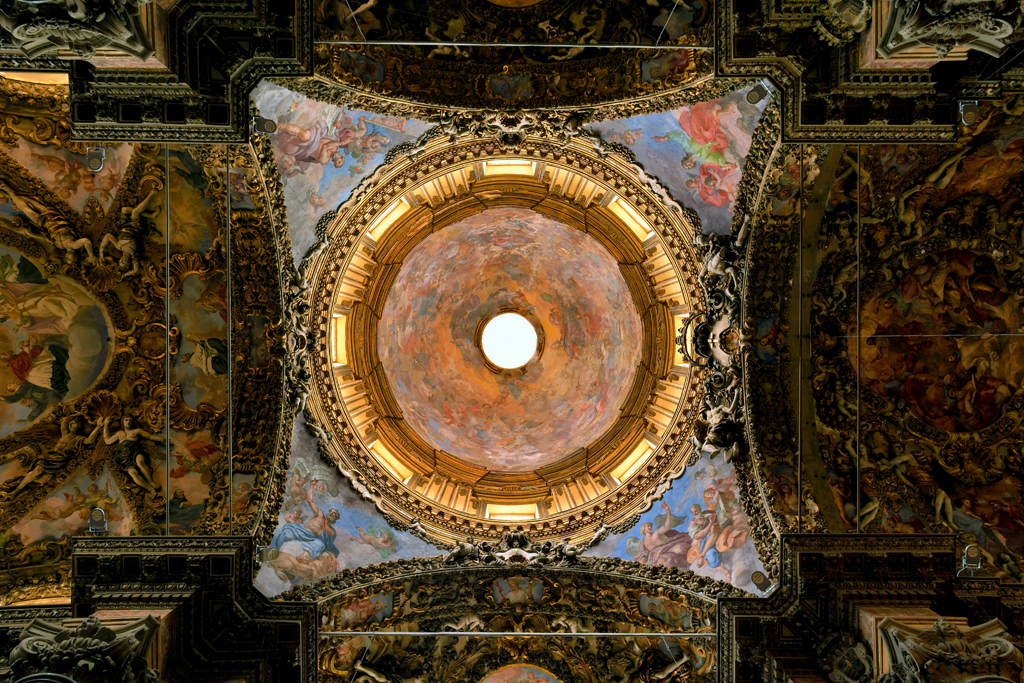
(67, 176)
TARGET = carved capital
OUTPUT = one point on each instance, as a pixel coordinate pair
(88, 653)
(945, 653)
(83, 27)
(945, 24)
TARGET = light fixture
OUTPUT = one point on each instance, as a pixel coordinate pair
(762, 583)
(757, 93)
(266, 553)
(97, 522)
(971, 561)
(94, 157)
(969, 112)
(263, 126)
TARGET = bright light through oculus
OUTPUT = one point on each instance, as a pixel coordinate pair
(509, 341)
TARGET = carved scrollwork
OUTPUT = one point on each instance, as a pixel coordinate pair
(39, 28)
(945, 652)
(945, 24)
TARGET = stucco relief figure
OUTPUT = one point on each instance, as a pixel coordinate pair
(48, 224)
(911, 204)
(136, 449)
(718, 431)
(129, 235)
(41, 464)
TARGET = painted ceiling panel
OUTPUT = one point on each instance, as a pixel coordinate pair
(699, 524)
(93, 267)
(324, 525)
(935, 343)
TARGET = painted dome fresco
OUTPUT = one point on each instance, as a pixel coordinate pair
(461, 277)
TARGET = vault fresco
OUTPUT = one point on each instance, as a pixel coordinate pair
(485, 76)
(699, 524)
(66, 173)
(114, 338)
(935, 342)
(941, 341)
(53, 341)
(323, 152)
(465, 274)
(698, 152)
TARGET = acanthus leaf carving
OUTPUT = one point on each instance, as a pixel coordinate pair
(947, 653)
(88, 653)
(40, 28)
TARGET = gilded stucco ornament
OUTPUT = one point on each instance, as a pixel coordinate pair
(103, 256)
(515, 548)
(714, 343)
(417, 59)
(83, 26)
(845, 659)
(665, 615)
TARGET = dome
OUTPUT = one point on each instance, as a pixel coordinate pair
(461, 277)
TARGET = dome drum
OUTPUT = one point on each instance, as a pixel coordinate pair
(416, 206)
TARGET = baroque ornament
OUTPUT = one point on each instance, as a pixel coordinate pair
(925, 358)
(945, 24)
(98, 440)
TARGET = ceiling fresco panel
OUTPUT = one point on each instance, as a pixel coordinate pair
(698, 524)
(480, 73)
(200, 362)
(107, 284)
(325, 526)
(66, 172)
(935, 342)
